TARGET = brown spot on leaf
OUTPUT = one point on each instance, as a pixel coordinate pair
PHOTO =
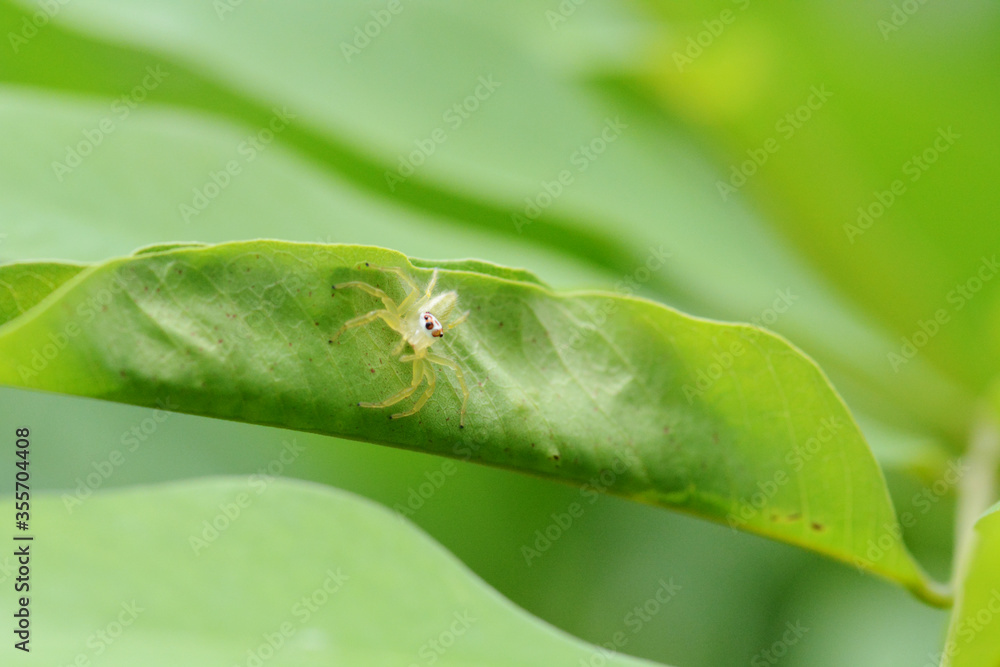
(817, 526)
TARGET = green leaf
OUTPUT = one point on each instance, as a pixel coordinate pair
(22, 285)
(973, 640)
(617, 394)
(164, 247)
(479, 266)
(221, 570)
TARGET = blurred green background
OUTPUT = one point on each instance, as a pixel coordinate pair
(575, 139)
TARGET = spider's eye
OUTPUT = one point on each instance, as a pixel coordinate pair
(431, 324)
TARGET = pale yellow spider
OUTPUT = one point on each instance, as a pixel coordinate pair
(417, 321)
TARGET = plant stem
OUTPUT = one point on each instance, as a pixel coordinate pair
(977, 491)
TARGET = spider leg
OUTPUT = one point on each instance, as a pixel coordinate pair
(461, 318)
(390, 318)
(418, 376)
(436, 359)
(399, 347)
(408, 300)
(431, 376)
(374, 291)
(415, 292)
(393, 269)
(431, 284)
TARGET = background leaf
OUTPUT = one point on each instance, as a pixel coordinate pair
(352, 135)
(182, 569)
(972, 637)
(830, 187)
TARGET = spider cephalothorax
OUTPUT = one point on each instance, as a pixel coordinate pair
(416, 320)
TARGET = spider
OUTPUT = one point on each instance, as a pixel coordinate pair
(415, 321)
